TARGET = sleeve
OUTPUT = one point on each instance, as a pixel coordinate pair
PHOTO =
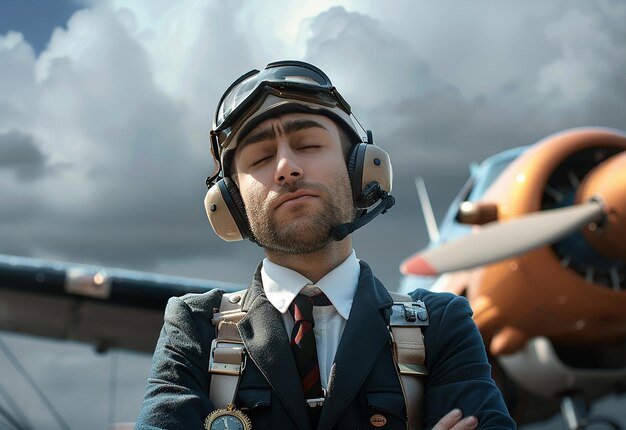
(459, 372)
(178, 386)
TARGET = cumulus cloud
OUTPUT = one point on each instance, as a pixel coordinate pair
(123, 95)
(585, 79)
(570, 75)
(368, 63)
(105, 103)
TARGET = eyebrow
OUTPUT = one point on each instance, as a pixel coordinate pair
(289, 127)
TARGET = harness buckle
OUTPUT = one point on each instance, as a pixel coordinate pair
(408, 314)
(316, 402)
(229, 358)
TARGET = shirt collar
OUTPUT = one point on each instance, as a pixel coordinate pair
(282, 285)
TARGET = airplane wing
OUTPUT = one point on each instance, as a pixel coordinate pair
(106, 307)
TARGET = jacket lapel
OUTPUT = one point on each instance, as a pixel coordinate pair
(364, 336)
(263, 333)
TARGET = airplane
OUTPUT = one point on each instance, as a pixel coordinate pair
(536, 241)
(123, 309)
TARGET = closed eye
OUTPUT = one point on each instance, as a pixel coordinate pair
(261, 160)
(310, 146)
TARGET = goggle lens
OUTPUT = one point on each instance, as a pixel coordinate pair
(288, 74)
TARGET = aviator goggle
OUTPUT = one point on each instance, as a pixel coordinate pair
(296, 81)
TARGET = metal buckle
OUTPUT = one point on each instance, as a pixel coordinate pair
(318, 401)
(227, 368)
(408, 314)
(412, 369)
(314, 403)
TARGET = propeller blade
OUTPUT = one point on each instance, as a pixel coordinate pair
(499, 240)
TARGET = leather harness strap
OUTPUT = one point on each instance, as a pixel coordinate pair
(227, 358)
(409, 353)
(228, 355)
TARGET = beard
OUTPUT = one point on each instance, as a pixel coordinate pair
(309, 232)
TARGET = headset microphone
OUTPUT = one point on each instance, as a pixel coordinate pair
(341, 231)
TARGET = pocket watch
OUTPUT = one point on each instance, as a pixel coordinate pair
(229, 418)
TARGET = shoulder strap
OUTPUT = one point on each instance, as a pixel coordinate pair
(230, 308)
(407, 318)
(227, 357)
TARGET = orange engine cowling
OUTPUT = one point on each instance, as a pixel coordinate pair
(574, 291)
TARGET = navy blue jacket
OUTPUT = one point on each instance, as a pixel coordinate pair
(364, 378)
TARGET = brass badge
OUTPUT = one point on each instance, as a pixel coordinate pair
(227, 419)
(378, 420)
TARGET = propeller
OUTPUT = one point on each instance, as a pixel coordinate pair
(500, 240)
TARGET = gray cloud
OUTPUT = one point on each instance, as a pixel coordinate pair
(132, 193)
(132, 140)
(126, 112)
(365, 61)
(433, 129)
(19, 153)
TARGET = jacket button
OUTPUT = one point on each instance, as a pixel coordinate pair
(378, 420)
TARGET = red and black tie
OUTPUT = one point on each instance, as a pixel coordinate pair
(303, 343)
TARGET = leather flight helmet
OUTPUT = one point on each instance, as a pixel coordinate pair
(283, 87)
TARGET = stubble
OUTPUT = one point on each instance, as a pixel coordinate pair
(308, 232)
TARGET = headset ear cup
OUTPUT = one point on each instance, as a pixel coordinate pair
(238, 207)
(355, 169)
(368, 163)
(226, 211)
(376, 167)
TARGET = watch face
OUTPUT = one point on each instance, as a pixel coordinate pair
(227, 422)
(227, 419)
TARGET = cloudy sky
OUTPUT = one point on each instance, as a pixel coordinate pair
(105, 107)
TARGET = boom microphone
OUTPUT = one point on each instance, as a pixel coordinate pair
(342, 230)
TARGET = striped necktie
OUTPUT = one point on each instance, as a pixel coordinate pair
(303, 344)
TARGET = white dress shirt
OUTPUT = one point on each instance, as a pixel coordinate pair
(282, 285)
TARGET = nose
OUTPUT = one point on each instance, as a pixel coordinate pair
(288, 170)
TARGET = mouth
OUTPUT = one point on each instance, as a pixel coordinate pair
(294, 198)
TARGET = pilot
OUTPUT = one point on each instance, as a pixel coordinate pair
(309, 344)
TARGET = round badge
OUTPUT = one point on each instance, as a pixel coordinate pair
(378, 420)
(227, 419)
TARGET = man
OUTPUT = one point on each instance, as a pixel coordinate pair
(294, 176)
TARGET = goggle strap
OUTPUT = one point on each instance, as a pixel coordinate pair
(215, 152)
(368, 133)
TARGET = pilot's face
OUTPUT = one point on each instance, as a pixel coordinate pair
(292, 175)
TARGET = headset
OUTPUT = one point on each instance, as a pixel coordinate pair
(371, 176)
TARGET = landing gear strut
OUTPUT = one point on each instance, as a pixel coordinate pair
(576, 416)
